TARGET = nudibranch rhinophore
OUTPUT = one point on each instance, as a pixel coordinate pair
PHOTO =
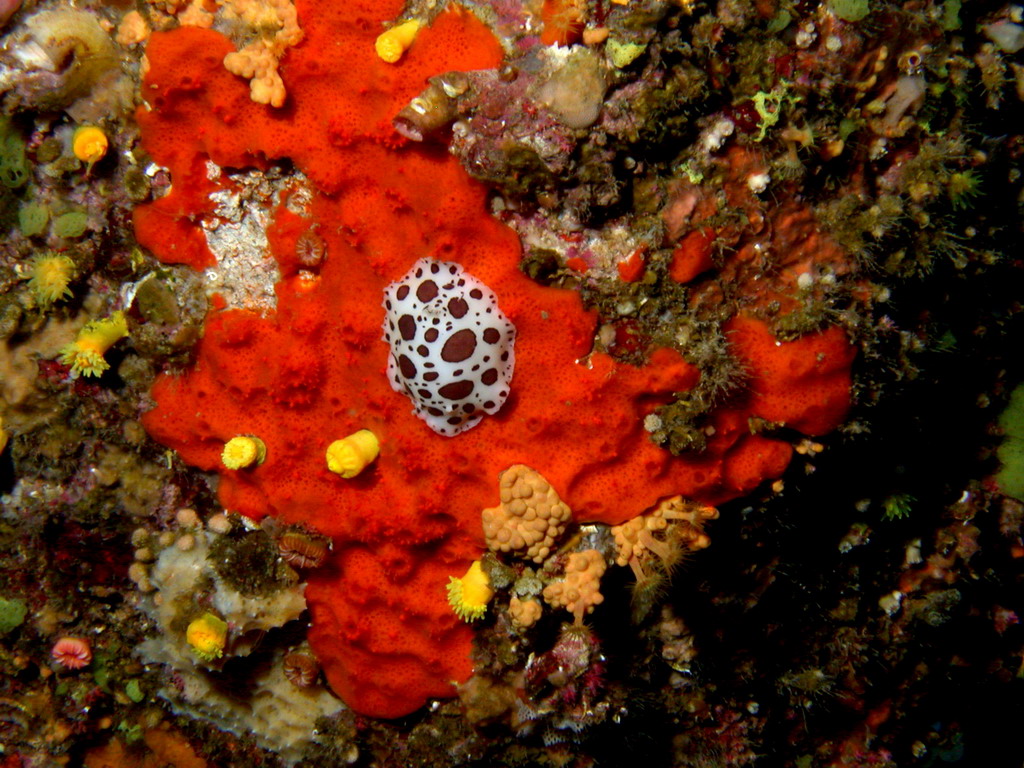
(452, 348)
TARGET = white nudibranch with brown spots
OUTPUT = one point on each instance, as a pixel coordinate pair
(452, 348)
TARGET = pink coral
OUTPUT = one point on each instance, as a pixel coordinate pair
(71, 652)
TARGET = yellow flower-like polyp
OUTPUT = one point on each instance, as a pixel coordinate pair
(51, 273)
(89, 144)
(351, 455)
(470, 595)
(392, 44)
(85, 354)
(243, 451)
(207, 635)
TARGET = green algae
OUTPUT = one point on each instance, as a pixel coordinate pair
(12, 615)
(33, 218)
(1011, 452)
(71, 224)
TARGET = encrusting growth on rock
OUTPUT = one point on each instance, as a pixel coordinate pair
(530, 518)
(574, 413)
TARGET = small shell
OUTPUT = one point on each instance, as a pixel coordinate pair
(433, 109)
(71, 652)
(301, 669)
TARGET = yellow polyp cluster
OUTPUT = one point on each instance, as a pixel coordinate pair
(85, 354)
(51, 273)
(392, 44)
(351, 455)
(207, 635)
(243, 451)
(89, 144)
(470, 595)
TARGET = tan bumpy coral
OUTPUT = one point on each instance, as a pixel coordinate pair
(276, 25)
(524, 613)
(667, 531)
(530, 518)
(268, 28)
(580, 590)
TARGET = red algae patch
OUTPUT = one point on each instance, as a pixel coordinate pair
(316, 370)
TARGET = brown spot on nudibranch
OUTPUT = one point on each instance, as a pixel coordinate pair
(407, 327)
(426, 291)
(407, 366)
(460, 345)
(457, 390)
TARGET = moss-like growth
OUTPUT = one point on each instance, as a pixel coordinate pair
(540, 264)
(136, 184)
(249, 562)
(662, 112)
(679, 426)
(801, 321)
(857, 223)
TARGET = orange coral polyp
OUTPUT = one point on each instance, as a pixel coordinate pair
(380, 623)
(563, 22)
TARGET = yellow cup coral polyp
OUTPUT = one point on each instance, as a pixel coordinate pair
(243, 451)
(89, 144)
(470, 595)
(51, 274)
(207, 635)
(351, 455)
(85, 354)
(392, 44)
